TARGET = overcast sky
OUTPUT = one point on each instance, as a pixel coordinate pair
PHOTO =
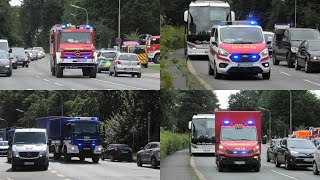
(223, 96)
(15, 2)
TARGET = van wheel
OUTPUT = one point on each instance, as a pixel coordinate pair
(266, 75)
(13, 167)
(296, 65)
(289, 61)
(211, 71)
(53, 71)
(257, 168)
(216, 74)
(59, 72)
(315, 168)
(45, 167)
(275, 60)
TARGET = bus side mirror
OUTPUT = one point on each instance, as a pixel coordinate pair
(185, 17)
(189, 125)
(233, 16)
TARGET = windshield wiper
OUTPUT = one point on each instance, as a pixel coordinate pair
(245, 139)
(228, 139)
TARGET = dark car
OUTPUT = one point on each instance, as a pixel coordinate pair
(287, 41)
(150, 154)
(268, 36)
(13, 60)
(118, 152)
(5, 63)
(308, 56)
(272, 149)
(21, 56)
(295, 152)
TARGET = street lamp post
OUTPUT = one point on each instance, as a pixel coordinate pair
(19, 110)
(295, 13)
(82, 9)
(290, 111)
(4, 121)
(269, 121)
(119, 23)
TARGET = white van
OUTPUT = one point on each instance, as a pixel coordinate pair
(4, 45)
(29, 147)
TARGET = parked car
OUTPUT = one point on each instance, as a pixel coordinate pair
(5, 63)
(316, 141)
(150, 154)
(105, 58)
(125, 63)
(4, 147)
(41, 50)
(268, 36)
(295, 152)
(272, 149)
(287, 41)
(32, 55)
(308, 56)
(118, 152)
(13, 60)
(21, 56)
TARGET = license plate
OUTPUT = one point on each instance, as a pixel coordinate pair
(129, 69)
(86, 148)
(206, 52)
(28, 163)
(245, 65)
(206, 150)
(239, 162)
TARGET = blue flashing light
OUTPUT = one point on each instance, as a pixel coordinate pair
(235, 57)
(69, 57)
(226, 122)
(250, 122)
(254, 57)
(86, 57)
(88, 26)
(64, 26)
(79, 144)
(235, 152)
(93, 144)
(138, 44)
(253, 22)
(243, 152)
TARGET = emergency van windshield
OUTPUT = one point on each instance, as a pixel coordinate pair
(203, 128)
(76, 37)
(29, 138)
(234, 134)
(241, 35)
(201, 19)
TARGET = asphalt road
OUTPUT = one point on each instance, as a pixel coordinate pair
(38, 77)
(77, 170)
(282, 78)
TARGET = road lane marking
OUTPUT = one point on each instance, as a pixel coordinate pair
(59, 84)
(9, 179)
(46, 80)
(118, 84)
(195, 169)
(311, 82)
(285, 73)
(38, 76)
(29, 71)
(196, 75)
(284, 175)
(54, 171)
(30, 89)
(60, 175)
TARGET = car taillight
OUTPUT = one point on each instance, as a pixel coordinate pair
(139, 63)
(116, 149)
(118, 62)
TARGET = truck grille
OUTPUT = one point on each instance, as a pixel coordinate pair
(28, 154)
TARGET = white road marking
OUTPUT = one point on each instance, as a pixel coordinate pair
(38, 76)
(67, 179)
(46, 80)
(58, 84)
(284, 175)
(60, 175)
(29, 71)
(311, 82)
(54, 171)
(9, 179)
(73, 89)
(30, 89)
(285, 73)
(118, 84)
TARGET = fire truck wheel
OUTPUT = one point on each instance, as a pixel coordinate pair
(146, 65)
(53, 71)
(93, 72)
(59, 72)
(157, 59)
(220, 168)
(257, 168)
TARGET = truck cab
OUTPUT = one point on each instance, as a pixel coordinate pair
(238, 139)
(153, 48)
(29, 147)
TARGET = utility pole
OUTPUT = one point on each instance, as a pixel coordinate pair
(149, 118)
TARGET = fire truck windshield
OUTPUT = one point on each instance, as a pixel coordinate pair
(76, 37)
(234, 134)
(203, 128)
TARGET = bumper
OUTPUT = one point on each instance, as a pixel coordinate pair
(301, 161)
(240, 161)
(76, 65)
(198, 52)
(238, 68)
(314, 64)
(4, 70)
(128, 69)
(41, 161)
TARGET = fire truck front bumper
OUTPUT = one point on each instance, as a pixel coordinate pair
(254, 160)
(77, 63)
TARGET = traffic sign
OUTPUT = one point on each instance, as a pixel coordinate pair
(118, 40)
(290, 131)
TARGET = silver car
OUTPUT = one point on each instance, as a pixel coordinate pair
(4, 147)
(125, 63)
(14, 61)
(5, 63)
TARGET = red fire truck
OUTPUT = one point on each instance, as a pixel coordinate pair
(238, 139)
(72, 47)
(153, 48)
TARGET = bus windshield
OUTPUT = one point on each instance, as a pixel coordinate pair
(203, 128)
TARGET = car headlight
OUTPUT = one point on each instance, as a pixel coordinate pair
(265, 53)
(294, 49)
(7, 66)
(15, 154)
(223, 53)
(294, 152)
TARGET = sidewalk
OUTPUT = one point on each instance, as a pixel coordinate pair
(177, 167)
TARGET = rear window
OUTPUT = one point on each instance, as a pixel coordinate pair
(128, 57)
(123, 146)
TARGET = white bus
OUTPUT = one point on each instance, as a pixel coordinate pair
(202, 134)
(199, 18)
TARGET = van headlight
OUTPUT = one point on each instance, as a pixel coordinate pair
(15, 154)
(265, 53)
(43, 153)
(7, 66)
(223, 53)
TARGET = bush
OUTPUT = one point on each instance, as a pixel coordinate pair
(172, 142)
(172, 38)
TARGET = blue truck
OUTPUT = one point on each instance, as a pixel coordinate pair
(73, 137)
(6, 134)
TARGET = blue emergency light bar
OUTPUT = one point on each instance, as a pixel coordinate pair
(243, 152)
(64, 26)
(226, 122)
(250, 122)
(88, 26)
(79, 144)
(225, 23)
(235, 152)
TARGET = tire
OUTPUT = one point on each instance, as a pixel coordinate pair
(210, 71)
(268, 158)
(216, 74)
(154, 163)
(289, 61)
(220, 168)
(146, 65)
(59, 72)
(66, 158)
(13, 167)
(93, 72)
(257, 168)
(56, 156)
(315, 168)
(27, 65)
(139, 162)
(132, 75)
(82, 158)
(9, 74)
(85, 72)
(266, 75)
(156, 59)
(99, 70)
(111, 157)
(45, 167)
(115, 73)
(139, 75)
(296, 65)
(95, 159)
(110, 73)
(274, 59)
(53, 71)
(15, 66)
(287, 165)
(276, 162)
(307, 67)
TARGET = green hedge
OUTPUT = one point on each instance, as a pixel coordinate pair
(172, 142)
(172, 38)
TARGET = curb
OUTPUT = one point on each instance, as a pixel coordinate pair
(196, 75)
(195, 169)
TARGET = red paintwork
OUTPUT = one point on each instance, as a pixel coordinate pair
(218, 56)
(154, 47)
(237, 117)
(243, 48)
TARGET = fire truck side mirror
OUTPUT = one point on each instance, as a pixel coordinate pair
(98, 36)
(189, 125)
(186, 13)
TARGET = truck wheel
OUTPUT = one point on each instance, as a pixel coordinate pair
(66, 158)
(220, 168)
(53, 71)
(139, 162)
(157, 59)
(59, 72)
(257, 168)
(93, 72)
(95, 159)
(13, 167)
(287, 165)
(56, 156)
